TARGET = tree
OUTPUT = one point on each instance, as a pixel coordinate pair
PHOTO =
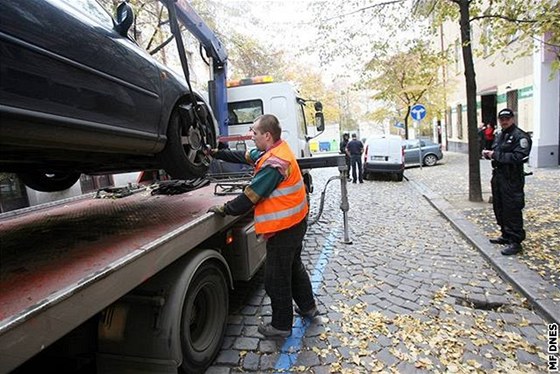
(509, 20)
(407, 78)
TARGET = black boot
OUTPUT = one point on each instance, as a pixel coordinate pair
(512, 249)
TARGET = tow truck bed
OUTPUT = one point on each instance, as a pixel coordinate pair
(61, 265)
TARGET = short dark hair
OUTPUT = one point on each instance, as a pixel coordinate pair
(269, 123)
(354, 135)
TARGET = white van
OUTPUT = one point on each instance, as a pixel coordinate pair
(384, 155)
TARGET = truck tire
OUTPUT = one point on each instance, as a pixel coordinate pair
(183, 156)
(48, 182)
(204, 318)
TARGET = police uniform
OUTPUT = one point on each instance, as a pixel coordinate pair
(511, 150)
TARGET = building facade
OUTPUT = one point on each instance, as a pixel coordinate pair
(525, 84)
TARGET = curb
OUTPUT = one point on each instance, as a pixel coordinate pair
(528, 282)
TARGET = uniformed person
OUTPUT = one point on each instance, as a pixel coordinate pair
(509, 152)
(277, 193)
(355, 149)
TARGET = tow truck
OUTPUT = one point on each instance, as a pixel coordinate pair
(133, 284)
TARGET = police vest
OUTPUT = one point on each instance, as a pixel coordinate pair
(287, 204)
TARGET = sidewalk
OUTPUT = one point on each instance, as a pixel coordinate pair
(536, 272)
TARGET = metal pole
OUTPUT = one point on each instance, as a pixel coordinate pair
(344, 205)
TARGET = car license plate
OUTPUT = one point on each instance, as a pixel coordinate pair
(377, 158)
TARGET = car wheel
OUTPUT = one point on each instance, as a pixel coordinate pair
(430, 160)
(187, 137)
(49, 182)
(399, 177)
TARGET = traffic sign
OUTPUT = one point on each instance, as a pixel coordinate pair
(418, 112)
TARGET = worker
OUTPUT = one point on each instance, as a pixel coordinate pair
(277, 193)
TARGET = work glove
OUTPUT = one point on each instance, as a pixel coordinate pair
(218, 209)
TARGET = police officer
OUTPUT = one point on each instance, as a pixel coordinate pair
(510, 150)
(354, 149)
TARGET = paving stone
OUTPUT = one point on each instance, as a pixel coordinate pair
(387, 357)
(228, 356)
(234, 330)
(268, 362)
(246, 343)
(321, 370)
(251, 361)
(218, 370)
(307, 359)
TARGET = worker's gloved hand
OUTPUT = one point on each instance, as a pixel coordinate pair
(218, 209)
(209, 151)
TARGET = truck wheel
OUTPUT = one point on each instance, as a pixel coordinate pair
(48, 182)
(204, 318)
(187, 137)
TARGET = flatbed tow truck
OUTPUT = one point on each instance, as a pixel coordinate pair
(151, 272)
(133, 284)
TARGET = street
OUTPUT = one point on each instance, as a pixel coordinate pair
(411, 294)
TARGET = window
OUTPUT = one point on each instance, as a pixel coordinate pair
(244, 112)
(302, 127)
(93, 10)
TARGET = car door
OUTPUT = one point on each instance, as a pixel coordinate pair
(410, 153)
(62, 59)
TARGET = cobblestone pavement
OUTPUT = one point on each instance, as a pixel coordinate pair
(537, 270)
(409, 295)
(542, 210)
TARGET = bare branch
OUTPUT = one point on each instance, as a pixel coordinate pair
(379, 5)
(494, 16)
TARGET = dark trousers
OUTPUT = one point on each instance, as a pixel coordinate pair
(508, 201)
(356, 161)
(285, 276)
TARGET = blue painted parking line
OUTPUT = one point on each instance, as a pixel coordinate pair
(290, 349)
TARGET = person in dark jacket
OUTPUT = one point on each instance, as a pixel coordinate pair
(509, 152)
(354, 149)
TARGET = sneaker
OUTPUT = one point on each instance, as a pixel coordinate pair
(312, 313)
(270, 331)
(512, 249)
(499, 240)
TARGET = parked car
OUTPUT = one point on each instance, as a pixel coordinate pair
(78, 95)
(384, 155)
(431, 152)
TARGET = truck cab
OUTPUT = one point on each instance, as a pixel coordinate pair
(250, 98)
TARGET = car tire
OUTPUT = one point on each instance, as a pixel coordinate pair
(430, 160)
(204, 318)
(187, 138)
(399, 177)
(49, 182)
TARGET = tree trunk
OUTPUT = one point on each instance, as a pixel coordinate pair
(406, 123)
(475, 191)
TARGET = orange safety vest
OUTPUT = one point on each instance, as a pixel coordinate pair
(287, 204)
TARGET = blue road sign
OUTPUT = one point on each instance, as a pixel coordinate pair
(418, 112)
